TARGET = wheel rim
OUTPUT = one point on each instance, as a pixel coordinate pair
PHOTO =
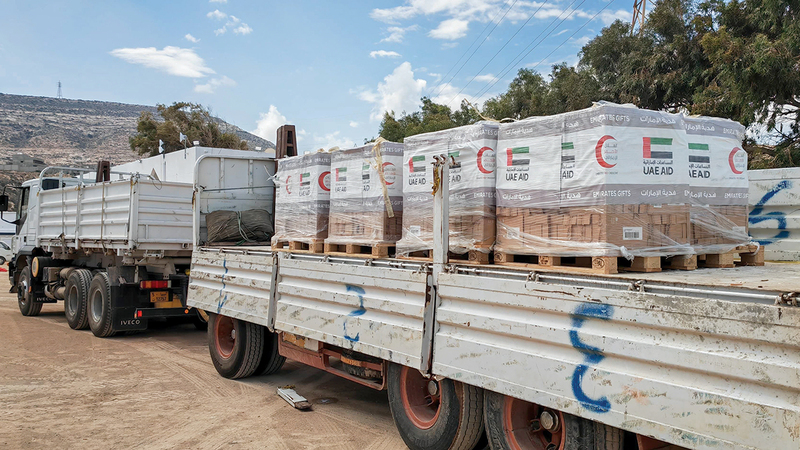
(421, 398)
(97, 305)
(225, 333)
(72, 300)
(22, 291)
(528, 426)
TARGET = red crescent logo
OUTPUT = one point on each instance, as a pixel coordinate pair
(321, 181)
(384, 172)
(730, 160)
(480, 160)
(598, 152)
(287, 185)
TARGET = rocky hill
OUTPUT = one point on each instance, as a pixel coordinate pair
(78, 132)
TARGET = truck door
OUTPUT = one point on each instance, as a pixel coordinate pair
(21, 235)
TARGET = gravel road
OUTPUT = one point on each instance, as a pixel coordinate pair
(61, 388)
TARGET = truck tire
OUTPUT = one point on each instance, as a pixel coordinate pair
(607, 437)
(24, 295)
(236, 346)
(271, 360)
(99, 306)
(76, 299)
(516, 424)
(431, 415)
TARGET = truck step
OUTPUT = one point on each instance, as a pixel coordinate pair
(372, 249)
(312, 246)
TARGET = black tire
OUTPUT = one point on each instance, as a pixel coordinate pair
(24, 295)
(505, 427)
(99, 306)
(453, 422)
(2, 261)
(607, 437)
(236, 346)
(76, 298)
(271, 360)
(200, 319)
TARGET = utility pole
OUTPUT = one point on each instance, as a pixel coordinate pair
(59, 91)
(639, 10)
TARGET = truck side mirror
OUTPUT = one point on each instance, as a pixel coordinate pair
(3, 203)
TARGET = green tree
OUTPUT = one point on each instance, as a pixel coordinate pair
(191, 119)
(431, 117)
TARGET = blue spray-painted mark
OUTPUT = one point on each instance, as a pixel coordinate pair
(757, 216)
(359, 291)
(223, 296)
(350, 338)
(593, 355)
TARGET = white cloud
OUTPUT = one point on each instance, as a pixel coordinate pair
(581, 41)
(191, 38)
(217, 1)
(333, 140)
(608, 17)
(233, 23)
(354, 124)
(216, 14)
(437, 76)
(268, 123)
(182, 62)
(450, 29)
(213, 84)
(398, 92)
(488, 78)
(449, 45)
(384, 54)
(243, 29)
(392, 15)
(561, 32)
(396, 34)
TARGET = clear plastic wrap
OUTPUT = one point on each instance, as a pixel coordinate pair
(250, 226)
(718, 184)
(363, 179)
(472, 188)
(609, 180)
(302, 198)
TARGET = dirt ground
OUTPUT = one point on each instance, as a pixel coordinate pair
(61, 388)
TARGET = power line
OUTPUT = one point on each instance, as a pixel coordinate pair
(441, 82)
(533, 43)
(500, 50)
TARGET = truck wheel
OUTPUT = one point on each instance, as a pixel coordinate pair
(24, 295)
(516, 424)
(77, 294)
(434, 415)
(236, 346)
(271, 360)
(99, 305)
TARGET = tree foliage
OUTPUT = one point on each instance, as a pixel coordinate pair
(191, 119)
(734, 59)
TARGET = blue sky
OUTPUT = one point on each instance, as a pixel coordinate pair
(329, 67)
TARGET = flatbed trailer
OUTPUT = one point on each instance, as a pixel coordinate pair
(706, 359)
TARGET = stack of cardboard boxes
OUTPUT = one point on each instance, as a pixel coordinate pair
(471, 150)
(604, 181)
(718, 184)
(363, 179)
(302, 198)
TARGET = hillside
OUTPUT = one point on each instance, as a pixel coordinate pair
(77, 132)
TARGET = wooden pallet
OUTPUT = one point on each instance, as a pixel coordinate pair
(471, 257)
(314, 246)
(373, 250)
(743, 255)
(596, 264)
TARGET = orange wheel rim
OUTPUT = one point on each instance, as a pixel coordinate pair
(225, 336)
(421, 398)
(528, 426)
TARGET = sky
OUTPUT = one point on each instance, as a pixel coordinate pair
(331, 68)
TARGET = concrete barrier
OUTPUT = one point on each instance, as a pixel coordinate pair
(775, 212)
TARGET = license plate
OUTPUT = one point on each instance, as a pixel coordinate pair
(159, 296)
